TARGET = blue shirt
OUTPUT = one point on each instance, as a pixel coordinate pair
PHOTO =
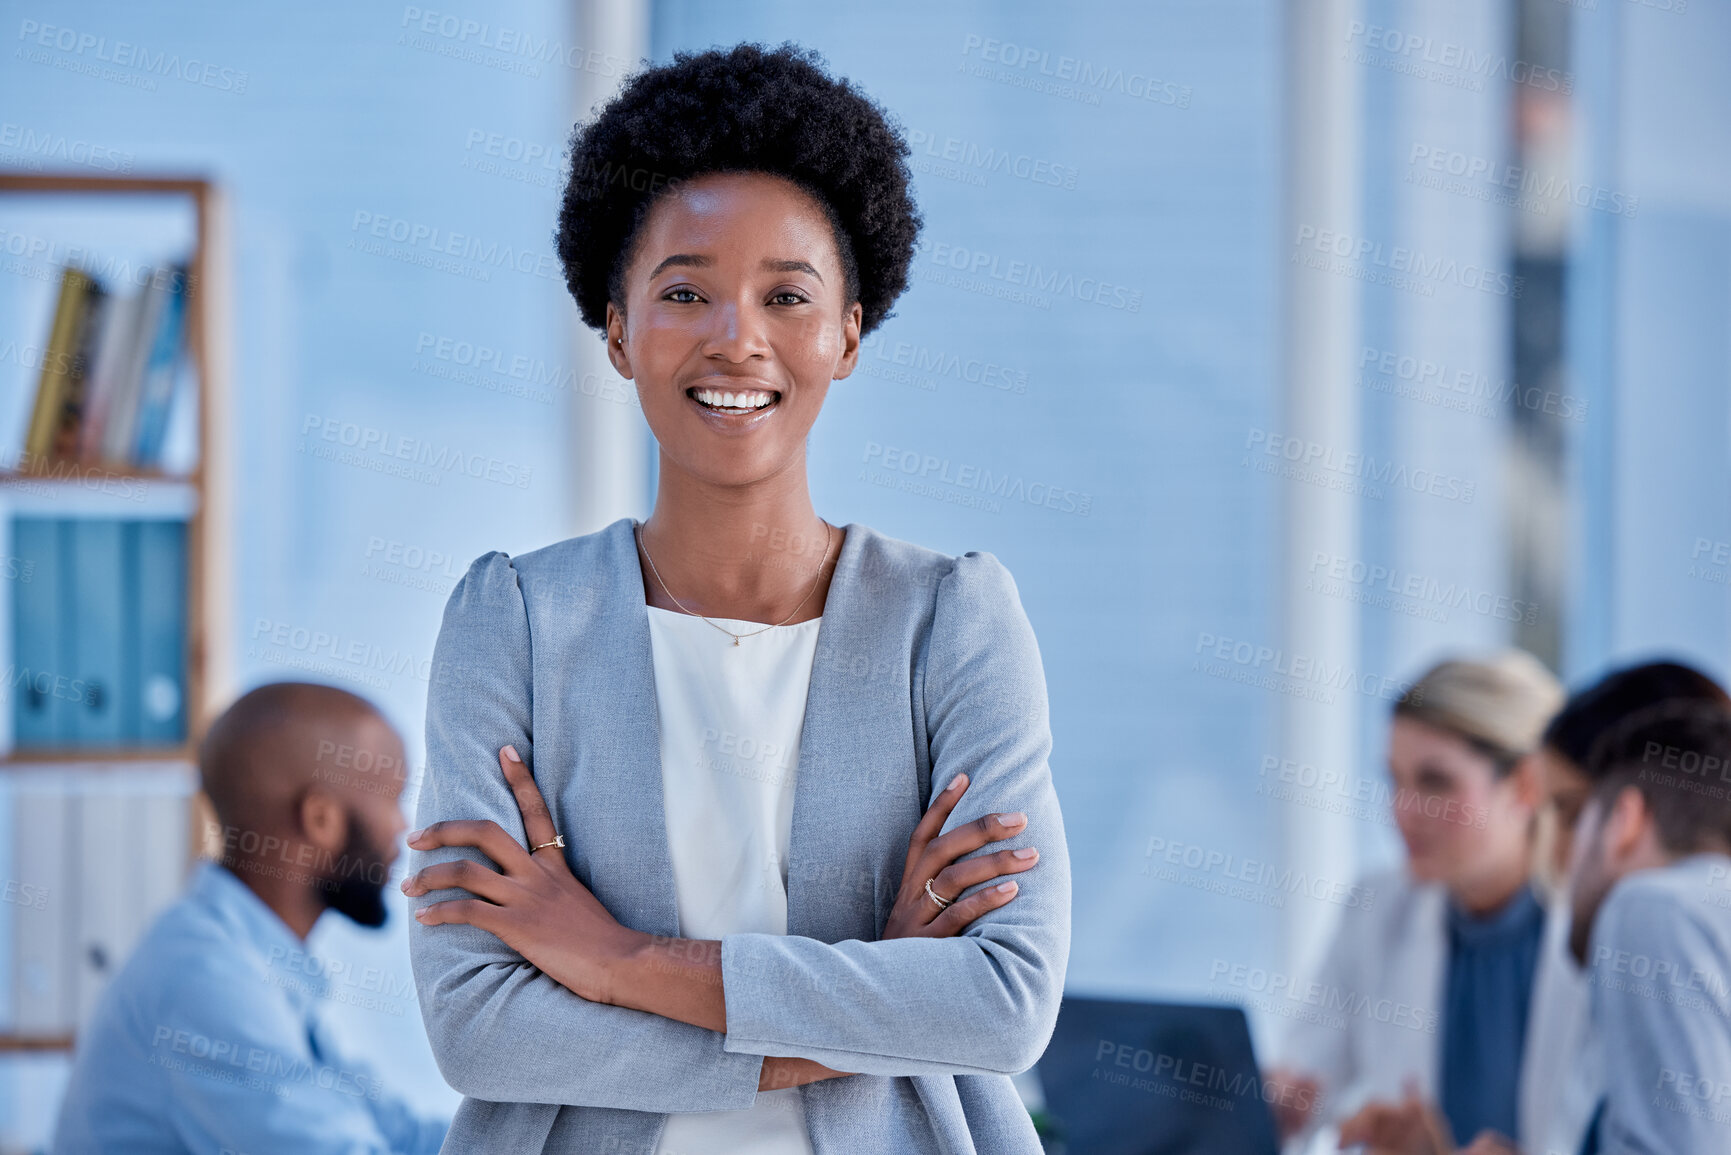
(1490, 989)
(205, 1042)
(1659, 958)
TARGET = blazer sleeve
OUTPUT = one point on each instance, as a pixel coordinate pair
(985, 1001)
(500, 1029)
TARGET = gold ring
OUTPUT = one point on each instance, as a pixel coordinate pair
(936, 897)
(558, 840)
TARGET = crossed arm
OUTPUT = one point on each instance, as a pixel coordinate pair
(645, 1018)
(536, 906)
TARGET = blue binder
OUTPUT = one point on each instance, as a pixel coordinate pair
(97, 624)
(39, 717)
(157, 707)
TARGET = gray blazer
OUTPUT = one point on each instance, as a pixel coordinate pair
(926, 666)
(1660, 971)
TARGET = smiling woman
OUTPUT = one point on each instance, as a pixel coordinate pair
(753, 895)
(724, 340)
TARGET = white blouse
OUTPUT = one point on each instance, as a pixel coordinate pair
(730, 726)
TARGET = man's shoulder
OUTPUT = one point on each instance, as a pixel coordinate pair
(174, 970)
(189, 956)
(1684, 886)
(1681, 909)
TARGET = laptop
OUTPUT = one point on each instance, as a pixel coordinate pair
(1134, 1078)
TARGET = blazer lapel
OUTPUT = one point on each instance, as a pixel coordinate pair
(853, 807)
(616, 791)
(855, 800)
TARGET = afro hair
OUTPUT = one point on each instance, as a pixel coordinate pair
(744, 109)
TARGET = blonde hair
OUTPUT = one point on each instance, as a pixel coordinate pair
(1499, 703)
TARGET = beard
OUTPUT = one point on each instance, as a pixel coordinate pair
(1587, 891)
(358, 891)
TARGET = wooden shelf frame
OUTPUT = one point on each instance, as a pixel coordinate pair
(208, 676)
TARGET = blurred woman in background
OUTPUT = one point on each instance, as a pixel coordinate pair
(1455, 984)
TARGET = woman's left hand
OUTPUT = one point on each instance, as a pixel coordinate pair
(533, 903)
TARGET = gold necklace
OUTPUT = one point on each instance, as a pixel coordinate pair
(819, 576)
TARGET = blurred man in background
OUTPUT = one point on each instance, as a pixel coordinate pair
(209, 1039)
(1650, 880)
(1590, 714)
(1565, 758)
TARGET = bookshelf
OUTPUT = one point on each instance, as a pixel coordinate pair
(117, 813)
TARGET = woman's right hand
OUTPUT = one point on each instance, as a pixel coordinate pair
(935, 856)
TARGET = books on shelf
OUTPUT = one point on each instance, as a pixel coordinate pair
(112, 370)
(59, 385)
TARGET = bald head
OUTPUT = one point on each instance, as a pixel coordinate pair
(270, 745)
(305, 782)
